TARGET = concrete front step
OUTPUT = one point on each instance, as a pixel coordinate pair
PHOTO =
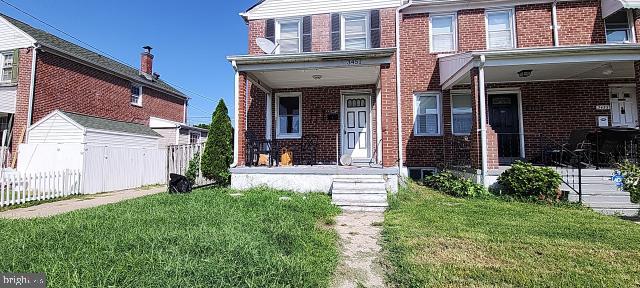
(595, 198)
(366, 198)
(627, 212)
(362, 206)
(362, 186)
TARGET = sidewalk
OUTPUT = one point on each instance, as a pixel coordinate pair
(90, 201)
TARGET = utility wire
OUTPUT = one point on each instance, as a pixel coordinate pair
(98, 49)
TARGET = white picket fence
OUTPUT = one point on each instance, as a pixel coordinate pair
(19, 188)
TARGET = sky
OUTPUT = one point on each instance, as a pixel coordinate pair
(190, 39)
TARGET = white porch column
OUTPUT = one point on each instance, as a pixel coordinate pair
(379, 124)
(483, 120)
(268, 117)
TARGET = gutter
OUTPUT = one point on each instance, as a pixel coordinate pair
(32, 87)
(236, 99)
(554, 21)
(399, 91)
(483, 120)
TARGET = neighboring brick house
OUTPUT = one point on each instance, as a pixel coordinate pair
(71, 78)
(542, 67)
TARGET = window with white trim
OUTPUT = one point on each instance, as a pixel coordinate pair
(7, 66)
(443, 33)
(461, 113)
(428, 112)
(289, 115)
(500, 29)
(136, 94)
(618, 27)
(194, 137)
(288, 33)
(355, 31)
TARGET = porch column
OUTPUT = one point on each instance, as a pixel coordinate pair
(241, 118)
(636, 66)
(484, 143)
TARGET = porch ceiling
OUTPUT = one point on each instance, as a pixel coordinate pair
(319, 77)
(549, 63)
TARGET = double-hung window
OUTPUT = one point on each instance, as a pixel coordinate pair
(443, 33)
(355, 28)
(427, 111)
(136, 95)
(288, 33)
(500, 29)
(618, 27)
(7, 67)
(194, 137)
(461, 113)
(289, 115)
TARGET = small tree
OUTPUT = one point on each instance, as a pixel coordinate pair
(193, 169)
(218, 152)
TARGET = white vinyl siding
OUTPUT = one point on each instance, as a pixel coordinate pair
(8, 99)
(461, 113)
(115, 139)
(355, 31)
(619, 28)
(288, 116)
(443, 33)
(500, 29)
(427, 109)
(169, 136)
(287, 8)
(12, 38)
(56, 130)
(288, 35)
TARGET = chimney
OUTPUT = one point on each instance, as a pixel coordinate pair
(146, 61)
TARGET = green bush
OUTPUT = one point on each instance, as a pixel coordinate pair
(193, 169)
(631, 173)
(526, 180)
(453, 185)
(218, 152)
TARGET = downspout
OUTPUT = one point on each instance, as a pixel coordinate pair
(32, 87)
(236, 113)
(399, 91)
(554, 23)
(483, 120)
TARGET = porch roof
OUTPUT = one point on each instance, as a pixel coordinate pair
(317, 69)
(548, 63)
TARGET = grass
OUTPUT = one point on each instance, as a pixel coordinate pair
(435, 240)
(204, 239)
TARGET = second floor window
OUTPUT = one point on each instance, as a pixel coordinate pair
(356, 31)
(443, 33)
(288, 35)
(7, 67)
(618, 27)
(136, 95)
(500, 30)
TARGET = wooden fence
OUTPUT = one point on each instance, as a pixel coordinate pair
(178, 158)
(19, 188)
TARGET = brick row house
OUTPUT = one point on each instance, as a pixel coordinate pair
(42, 73)
(408, 87)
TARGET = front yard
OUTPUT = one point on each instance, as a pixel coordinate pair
(437, 240)
(204, 239)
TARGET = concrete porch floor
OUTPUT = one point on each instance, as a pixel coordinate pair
(317, 170)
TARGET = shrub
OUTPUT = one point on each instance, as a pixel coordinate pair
(631, 173)
(526, 180)
(193, 169)
(453, 185)
(218, 152)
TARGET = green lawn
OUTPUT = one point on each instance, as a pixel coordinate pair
(204, 239)
(436, 240)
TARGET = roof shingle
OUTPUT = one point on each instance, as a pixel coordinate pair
(97, 123)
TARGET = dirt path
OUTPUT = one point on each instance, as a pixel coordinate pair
(63, 206)
(360, 245)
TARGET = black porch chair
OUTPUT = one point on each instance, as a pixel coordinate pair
(308, 150)
(578, 146)
(251, 148)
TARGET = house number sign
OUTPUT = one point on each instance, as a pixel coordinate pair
(603, 107)
(351, 62)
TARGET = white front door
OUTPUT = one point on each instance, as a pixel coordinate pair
(355, 126)
(624, 110)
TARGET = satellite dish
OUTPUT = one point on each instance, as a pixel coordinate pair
(266, 45)
(346, 160)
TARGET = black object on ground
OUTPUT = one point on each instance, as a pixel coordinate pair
(179, 184)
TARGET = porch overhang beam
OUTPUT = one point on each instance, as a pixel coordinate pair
(333, 59)
(261, 85)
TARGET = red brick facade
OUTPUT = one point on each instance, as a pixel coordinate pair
(73, 87)
(545, 104)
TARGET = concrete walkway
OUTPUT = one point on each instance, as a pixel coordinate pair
(88, 201)
(360, 235)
